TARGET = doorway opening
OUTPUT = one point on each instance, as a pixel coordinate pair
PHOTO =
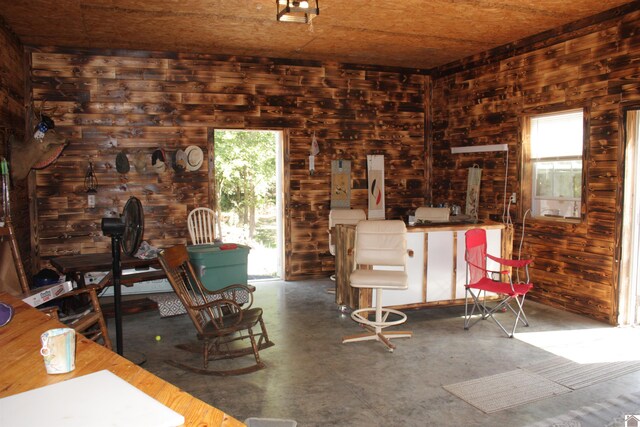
(629, 278)
(248, 177)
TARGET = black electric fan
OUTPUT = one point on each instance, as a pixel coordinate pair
(126, 234)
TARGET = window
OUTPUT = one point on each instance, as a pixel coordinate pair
(556, 147)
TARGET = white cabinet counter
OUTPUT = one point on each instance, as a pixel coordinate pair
(437, 270)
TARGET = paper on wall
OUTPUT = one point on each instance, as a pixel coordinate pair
(473, 191)
(375, 173)
(341, 184)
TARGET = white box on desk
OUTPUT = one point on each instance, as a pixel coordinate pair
(41, 295)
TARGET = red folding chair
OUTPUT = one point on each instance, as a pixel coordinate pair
(480, 281)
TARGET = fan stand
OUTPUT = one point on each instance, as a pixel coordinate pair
(116, 228)
(116, 268)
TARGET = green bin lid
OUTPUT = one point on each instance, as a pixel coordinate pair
(202, 251)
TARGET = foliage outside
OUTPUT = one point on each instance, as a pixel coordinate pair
(245, 165)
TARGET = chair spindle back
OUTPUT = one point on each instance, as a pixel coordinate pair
(185, 283)
(202, 224)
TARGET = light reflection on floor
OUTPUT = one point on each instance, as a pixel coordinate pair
(596, 345)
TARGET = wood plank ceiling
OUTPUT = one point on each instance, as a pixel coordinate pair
(409, 33)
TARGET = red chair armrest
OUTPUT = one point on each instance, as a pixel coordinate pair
(517, 263)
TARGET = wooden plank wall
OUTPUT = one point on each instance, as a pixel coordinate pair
(12, 122)
(481, 100)
(137, 101)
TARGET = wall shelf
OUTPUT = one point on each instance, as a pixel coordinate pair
(479, 148)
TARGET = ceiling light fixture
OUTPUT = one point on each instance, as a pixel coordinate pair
(296, 11)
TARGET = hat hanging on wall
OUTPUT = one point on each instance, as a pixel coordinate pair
(194, 157)
(55, 153)
(158, 160)
(160, 167)
(122, 162)
(179, 161)
(140, 162)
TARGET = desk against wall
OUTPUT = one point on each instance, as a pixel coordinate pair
(76, 266)
(23, 368)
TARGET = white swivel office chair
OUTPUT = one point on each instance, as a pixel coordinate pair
(380, 243)
(203, 225)
(342, 216)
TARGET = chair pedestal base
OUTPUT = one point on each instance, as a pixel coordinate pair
(379, 336)
(376, 326)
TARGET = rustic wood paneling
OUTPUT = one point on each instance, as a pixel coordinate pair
(12, 124)
(137, 101)
(481, 101)
(411, 33)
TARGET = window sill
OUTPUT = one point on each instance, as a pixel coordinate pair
(559, 218)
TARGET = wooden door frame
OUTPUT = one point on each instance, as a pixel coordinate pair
(619, 220)
(286, 196)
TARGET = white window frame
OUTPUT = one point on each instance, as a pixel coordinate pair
(556, 206)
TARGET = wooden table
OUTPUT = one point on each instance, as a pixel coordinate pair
(23, 368)
(75, 267)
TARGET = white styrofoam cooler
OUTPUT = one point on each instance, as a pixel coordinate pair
(148, 287)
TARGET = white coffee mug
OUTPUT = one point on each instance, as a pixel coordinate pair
(59, 350)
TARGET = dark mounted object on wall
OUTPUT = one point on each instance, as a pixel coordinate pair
(90, 180)
(158, 155)
(91, 186)
(39, 149)
(122, 162)
(45, 124)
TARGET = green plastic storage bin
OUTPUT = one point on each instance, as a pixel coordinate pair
(219, 268)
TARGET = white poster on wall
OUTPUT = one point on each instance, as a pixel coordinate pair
(375, 174)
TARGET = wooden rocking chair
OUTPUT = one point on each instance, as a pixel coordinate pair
(221, 322)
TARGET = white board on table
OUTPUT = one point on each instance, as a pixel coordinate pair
(98, 399)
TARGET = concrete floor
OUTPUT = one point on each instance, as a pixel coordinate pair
(313, 378)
